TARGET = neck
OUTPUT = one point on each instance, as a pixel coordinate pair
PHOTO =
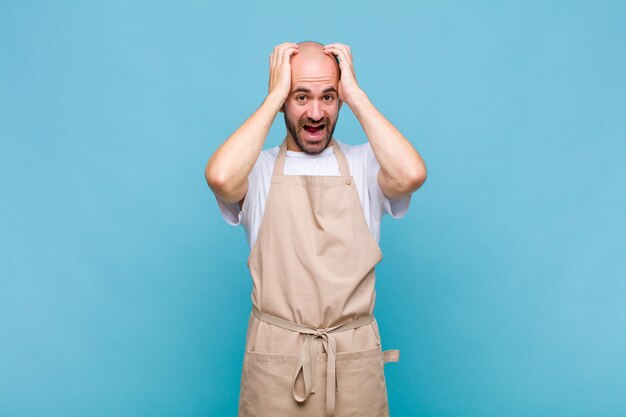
(292, 146)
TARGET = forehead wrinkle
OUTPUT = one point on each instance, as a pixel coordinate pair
(322, 81)
(323, 88)
(313, 84)
(313, 78)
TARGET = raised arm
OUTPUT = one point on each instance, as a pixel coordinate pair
(227, 170)
(402, 170)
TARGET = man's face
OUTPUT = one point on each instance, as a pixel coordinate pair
(312, 107)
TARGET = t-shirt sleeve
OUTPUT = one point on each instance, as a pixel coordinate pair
(396, 207)
(231, 212)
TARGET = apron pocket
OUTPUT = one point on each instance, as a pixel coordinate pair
(267, 387)
(268, 377)
(362, 390)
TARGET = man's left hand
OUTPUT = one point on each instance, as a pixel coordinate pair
(347, 84)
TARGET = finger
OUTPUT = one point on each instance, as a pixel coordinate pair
(281, 48)
(335, 48)
(287, 52)
(331, 52)
(341, 55)
(278, 50)
(345, 53)
(341, 46)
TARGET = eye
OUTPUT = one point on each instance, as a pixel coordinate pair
(331, 97)
(298, 97)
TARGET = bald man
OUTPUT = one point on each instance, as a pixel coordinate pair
(311, 209)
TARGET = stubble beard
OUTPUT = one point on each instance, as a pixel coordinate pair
(305, 146)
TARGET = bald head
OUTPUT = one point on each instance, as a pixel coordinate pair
(312, 63)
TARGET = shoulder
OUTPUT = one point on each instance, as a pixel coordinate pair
(355, 153)
(266, 159)
(270, 153)
(360, 157)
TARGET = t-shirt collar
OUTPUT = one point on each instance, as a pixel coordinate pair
(325, 152)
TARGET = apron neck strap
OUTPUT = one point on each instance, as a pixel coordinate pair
(279, 165)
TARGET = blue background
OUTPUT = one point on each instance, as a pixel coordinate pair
(123, 292)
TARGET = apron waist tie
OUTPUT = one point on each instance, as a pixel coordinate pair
(307, 362)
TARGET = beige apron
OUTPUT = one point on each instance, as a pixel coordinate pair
(313, 347)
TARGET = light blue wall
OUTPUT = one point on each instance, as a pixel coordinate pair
(124, 293)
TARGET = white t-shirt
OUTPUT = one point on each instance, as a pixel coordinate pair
(363, 167)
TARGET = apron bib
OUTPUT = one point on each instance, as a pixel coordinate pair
(313, 347)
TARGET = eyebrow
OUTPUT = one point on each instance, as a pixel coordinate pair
(307, 90)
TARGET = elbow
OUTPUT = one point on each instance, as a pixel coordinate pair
(417, 179)
(215, 177)
(223, 187)
(208, 173)
(217, 184)
(210, 178)
(215, 180)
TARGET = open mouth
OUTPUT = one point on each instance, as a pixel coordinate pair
(314, 130)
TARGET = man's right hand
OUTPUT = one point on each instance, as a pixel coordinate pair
(280, 69)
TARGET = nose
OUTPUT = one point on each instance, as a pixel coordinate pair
(315, 112)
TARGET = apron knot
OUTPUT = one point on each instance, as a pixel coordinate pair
(307, 361)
